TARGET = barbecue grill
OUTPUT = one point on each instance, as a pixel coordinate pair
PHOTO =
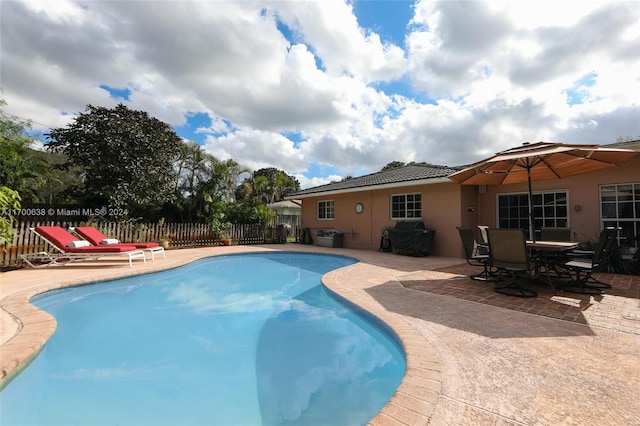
(411, 238)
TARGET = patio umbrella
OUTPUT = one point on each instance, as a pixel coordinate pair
(541, 161)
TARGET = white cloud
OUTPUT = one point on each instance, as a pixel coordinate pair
(58, 11)
(260, 149)
(307, 182)
(474, 77)
(201, 298)
(332, 29)
(142, 372)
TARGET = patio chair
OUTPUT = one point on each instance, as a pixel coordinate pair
(561, 234)
(508, 254)
(584, 267)
(476, 254)
(65, 247)
(97, 238)
(483, 234)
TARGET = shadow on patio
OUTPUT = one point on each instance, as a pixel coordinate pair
(618, 309)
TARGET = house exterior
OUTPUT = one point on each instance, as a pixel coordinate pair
(362, 207)
(287, 212)
(286, 207)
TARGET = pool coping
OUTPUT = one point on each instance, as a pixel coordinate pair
(412, 403)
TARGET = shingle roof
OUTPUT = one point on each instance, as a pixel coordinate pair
(405, 174)
(290, 204)
(633, 145)
(408, 175)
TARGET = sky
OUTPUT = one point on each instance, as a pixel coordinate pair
(324, 89)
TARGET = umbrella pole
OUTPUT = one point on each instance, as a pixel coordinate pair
(532, 233)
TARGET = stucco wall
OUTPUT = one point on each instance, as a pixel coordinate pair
(583, 191)
(448, 205)
(441, 210)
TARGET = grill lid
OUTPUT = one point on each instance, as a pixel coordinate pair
(410, 225)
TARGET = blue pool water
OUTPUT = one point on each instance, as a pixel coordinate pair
(231, 340)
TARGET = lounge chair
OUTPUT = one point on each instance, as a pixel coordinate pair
(508, 253)
(65, 247)
(97, 238)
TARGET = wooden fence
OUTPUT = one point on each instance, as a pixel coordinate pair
(180, 235)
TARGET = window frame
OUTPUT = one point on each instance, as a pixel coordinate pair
(627, 212)
(548, 211)
(405, 203)
(329, 209)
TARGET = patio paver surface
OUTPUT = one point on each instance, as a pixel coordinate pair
(474, 357)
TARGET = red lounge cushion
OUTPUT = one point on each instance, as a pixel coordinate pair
(144, 245)
(61, 238)
(113, 248)
(95, 237)
(91, 234)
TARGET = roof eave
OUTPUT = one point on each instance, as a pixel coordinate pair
(429, 181)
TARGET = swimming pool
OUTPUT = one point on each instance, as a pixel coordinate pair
(231, 340)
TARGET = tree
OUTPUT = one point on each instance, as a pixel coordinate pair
(9, 202)
(393, 165)
(623, 139)
(34, 174)
(217, 193)
(265, 186)
(51, 183)
(271, 184)
(14, 145)
(127, 157)
(192, 174)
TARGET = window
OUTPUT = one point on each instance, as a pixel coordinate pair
(549, 208)
(406, 206)
(620, 207)
(325, 210)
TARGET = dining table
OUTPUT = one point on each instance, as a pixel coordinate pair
(547, 258)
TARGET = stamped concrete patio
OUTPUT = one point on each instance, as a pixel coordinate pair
(474, 357)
